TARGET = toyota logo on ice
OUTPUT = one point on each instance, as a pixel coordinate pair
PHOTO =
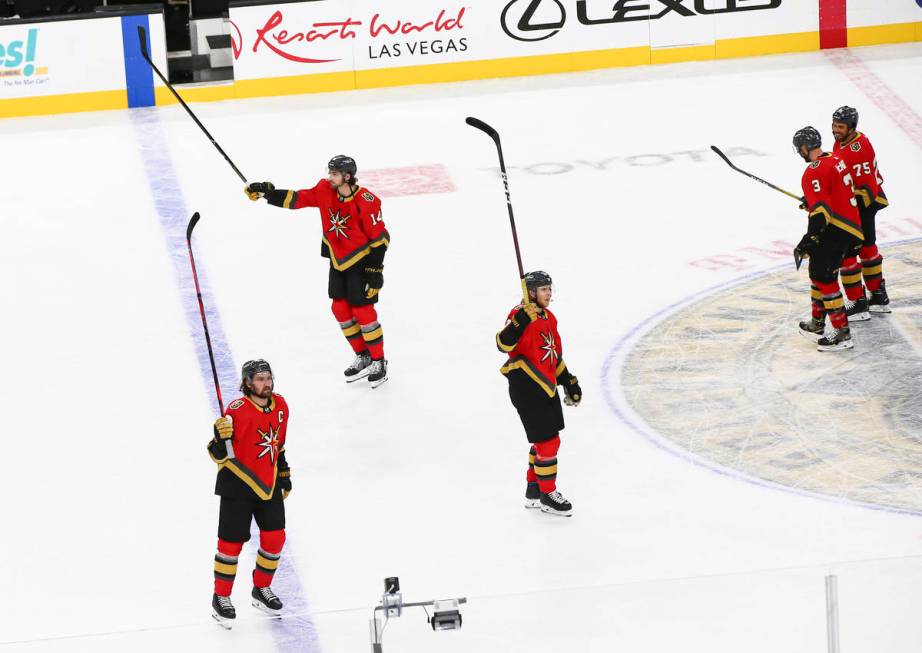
(537, 20)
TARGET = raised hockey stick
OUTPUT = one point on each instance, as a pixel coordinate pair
(201, 308)
(142, 37)
(492, 133)
(752, 176)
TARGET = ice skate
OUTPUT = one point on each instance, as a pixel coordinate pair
(223, 611)
(359, 367)
(837, 339)
(553, 503)
(857, 311)
(879, 302)
(532, 496)
(265, 599)
(812, 329)
(377, 372)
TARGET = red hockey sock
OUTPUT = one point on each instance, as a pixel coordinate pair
(833, 303)
(872, 267)
(225, 566)
(268, 556)
(372, 333)
(530, 476)
(850, 274)
(546, 464)
(343, 314)
(816, 303)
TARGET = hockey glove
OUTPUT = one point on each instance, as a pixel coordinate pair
(224, 427)
(573, 392)
(285, 483)
(258, 188)
(374, 280)
(807, 245)
(525, 315)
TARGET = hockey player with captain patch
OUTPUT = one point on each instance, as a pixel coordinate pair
(355, 240)
(253, 481)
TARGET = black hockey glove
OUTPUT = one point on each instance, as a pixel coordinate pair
(806, 247)
(374, 280)
(574, 394)
(285, 483)
(258, 188)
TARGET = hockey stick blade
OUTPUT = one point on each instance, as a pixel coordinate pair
(477, 123)
(192, 223)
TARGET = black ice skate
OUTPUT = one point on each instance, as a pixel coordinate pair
(857, 311)
(837, 339)
(359, 367)
(377, 372)
(554, 504)
(880, 302)
(223, 611)
(812, 328)
(532, 496)
(266, 600)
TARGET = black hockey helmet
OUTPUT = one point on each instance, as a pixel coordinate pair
(537, 279)
(808, 136)
(252, 368)
(344, 164)
(847, 116)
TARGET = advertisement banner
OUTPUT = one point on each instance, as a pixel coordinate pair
(54, 58)
(48, 58)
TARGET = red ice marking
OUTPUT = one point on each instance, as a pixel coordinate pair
(886, 99)
(833, 24)
(412, 180)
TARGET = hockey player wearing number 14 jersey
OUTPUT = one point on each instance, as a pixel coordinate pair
(355, 240)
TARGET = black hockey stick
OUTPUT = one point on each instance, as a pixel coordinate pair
(201, 308)
(492, 133)
(752, 176)
(142, 37)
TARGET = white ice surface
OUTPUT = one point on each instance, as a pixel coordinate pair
(109, 516)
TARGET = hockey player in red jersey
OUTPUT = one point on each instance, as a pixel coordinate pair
(534, 369)
(856, 150)
(253, 480)
(833, 232)
(355, 240)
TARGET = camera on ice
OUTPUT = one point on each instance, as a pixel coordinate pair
(422, 48)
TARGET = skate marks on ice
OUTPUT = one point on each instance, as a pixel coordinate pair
(726, 382)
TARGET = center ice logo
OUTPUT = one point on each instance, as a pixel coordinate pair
(17, 58)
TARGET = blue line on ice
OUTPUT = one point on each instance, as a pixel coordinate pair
(295, 632)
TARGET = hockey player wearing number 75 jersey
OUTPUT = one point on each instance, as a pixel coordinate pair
(833, 232)
(355, 240)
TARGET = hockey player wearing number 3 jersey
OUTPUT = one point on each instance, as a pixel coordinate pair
(534, 369)
(355, 240)
(253, 481)
(833, 232)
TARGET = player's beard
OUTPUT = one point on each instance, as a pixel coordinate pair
(265, 394)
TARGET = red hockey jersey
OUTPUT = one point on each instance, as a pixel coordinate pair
(352, 226)
(827, 187)
(858, 154)
(258, 441)
(538, 352)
